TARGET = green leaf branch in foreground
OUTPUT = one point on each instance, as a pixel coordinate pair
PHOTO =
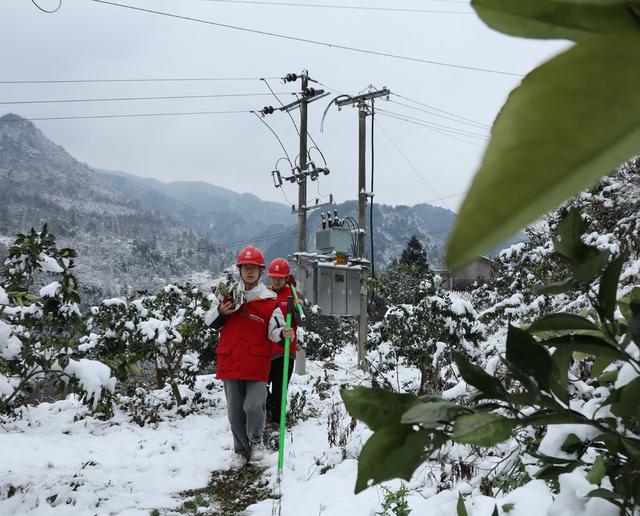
(559, 19)
(571, 121)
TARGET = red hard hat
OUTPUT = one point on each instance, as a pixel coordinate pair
(250, 256)
(279, 268)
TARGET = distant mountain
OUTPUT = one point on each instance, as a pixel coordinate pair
(136, 233)
(214, 212)
(123, 245)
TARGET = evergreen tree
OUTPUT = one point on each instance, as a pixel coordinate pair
(415, 255)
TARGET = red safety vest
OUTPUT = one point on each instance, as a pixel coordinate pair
(244, 351)
(283, 297)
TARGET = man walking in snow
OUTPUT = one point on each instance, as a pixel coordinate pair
(280, 281)
(247, 336)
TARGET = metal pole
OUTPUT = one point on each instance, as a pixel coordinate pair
(302, 185)
(362, 221)
(301, 269)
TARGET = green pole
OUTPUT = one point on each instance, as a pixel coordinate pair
(283, 401)
(298, 305)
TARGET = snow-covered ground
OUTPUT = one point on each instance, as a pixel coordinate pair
(54, 462)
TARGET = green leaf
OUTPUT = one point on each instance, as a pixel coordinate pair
(482, 429)
(559, 287)
(394, 451)
(597, 471)
(625, 302)
(377, 407)
(532, 391)
(556, 19)
(562, 321)
(508, 507)
(532, 358)
(567, 239)
(627, 406)
(587, 270)
(544, 418)
(586, 344)
(599, 365)
(460, 507)
(553, 471)
(612, 497)
(478, 377)
(608, 378)
(495, 511)
(572, 120)
(559, 374)
(608, 292)
(433, 414)
(571, 443)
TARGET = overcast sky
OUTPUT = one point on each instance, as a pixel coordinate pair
(89, 40)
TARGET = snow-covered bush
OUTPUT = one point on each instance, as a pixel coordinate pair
(398, 285)
(424, 334)
(167, 330)
(326, 335)
(39, 332)
(566, 397)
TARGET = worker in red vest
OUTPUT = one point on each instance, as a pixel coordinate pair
(280, 280)
(247, 337)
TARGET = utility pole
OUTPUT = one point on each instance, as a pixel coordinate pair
(302, 184)
(363, 320)
(363, 110)
(299, 175)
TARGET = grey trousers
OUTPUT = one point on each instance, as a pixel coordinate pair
(246, 400)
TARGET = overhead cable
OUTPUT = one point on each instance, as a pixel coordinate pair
(435, 129)
(428, 123)
(334, 6)
(413, 167)
(309, 41)
(148, 79)
(441, 110)
(127, 115)
(476, 125)
(126, 99)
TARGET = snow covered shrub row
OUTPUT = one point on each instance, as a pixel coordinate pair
(565, 393)
(166, 330)
(47, 344)
(326, 335)
(425, 333)
(40, 325)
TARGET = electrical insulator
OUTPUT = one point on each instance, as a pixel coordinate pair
(268, 110)
(329, 221)
(324, 222)
(277, 178)
(290, 77)
(309, 92)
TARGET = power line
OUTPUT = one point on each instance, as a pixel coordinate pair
(476, 125)
(280, 102)
(46, 10)
(126, 99)
(442, 110)
(127, 115)
(441, 131)
(277, 137)
(415, 169)
(160, 79)
(427, 123)
(352, 7)
(309, 41)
